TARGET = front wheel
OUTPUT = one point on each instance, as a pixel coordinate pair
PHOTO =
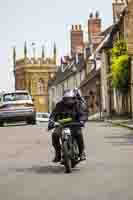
(67, 157)
(1, 124)
(75, 154)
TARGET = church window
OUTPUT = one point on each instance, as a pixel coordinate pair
(41, 87)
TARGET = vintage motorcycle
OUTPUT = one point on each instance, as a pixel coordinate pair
(69, 147)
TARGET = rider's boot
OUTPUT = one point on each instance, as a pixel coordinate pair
(57, 157)
(62, 160)
(82, 156)
(57, 146)
(80, 142)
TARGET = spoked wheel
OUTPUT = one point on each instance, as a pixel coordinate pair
(67, 157)
(75, 152)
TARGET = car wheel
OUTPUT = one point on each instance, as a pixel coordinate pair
(1, 124)
(31, 121)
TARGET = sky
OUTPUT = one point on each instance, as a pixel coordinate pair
(42, 22)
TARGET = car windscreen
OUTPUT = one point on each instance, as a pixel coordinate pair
(16, 97)
(45, 116)
(41, 115)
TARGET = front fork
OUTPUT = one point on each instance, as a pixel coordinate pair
(67, 140)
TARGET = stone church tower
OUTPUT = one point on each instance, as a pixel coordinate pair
(33, 74)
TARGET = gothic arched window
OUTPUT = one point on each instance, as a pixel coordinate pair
(41, 87)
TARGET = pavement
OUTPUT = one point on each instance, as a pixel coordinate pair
(94, 117)
(127, 123)
(124, 122)
(27, 173)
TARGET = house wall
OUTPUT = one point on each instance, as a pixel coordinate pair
(91, 93)
(129, 38)
(113, 101)
(52, 97)
(56, 92)
(104, 86)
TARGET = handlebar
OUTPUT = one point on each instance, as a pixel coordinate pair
(64, 123)
(71, 124)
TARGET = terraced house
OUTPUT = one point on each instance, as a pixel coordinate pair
(115, 103)
(68, 76)
(80, 70)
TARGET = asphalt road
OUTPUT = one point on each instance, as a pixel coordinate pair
(26, 171)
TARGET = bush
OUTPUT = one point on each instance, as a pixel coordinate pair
(120, 73)
(120, 67)
(120, 48)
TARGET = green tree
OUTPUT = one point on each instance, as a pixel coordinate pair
(120, 66)
(120, 48)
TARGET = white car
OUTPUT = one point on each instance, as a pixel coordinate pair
(17, 106)
(42, 117)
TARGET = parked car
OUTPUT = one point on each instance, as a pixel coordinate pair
(17, 106)
(42, 117)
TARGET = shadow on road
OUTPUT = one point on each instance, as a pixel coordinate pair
(48, 169)
(106, 125)
(126, 139)
(16, 125)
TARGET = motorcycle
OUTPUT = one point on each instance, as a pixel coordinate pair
(69, 146)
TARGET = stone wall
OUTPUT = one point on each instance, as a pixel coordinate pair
(129, 28)
(34, 78)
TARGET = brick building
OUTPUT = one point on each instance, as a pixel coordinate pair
(94, 29)
(89, 86)
(129, 38)
(114, 102)
(77, 43)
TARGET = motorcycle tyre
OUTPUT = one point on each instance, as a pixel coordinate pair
(67, 158)
(75, 160)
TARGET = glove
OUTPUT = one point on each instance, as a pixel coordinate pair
(50, 125)
(82, 123)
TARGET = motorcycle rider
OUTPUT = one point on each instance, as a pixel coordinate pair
(69, 106)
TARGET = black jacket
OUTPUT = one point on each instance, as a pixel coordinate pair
(78, 111)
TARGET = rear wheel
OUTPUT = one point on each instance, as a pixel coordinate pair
(31, 121)
(1, 124)
(67, 157)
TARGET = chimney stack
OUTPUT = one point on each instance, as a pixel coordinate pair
(94, 24)
(94, 30)
(76, 39)
(118, 6)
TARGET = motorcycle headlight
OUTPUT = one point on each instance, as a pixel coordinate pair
(66, 133)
